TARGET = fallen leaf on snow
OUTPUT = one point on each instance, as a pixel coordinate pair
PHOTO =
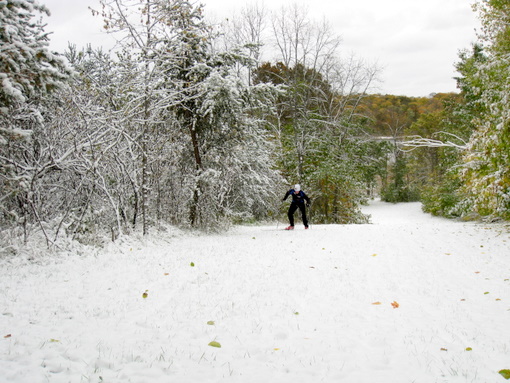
(395, 304)
(469, 349)
(145, 294)
(215, 344)
(210, 323)
(374, 255)
(444, 349)
(376, 303)
(7, 336)
(505, 374)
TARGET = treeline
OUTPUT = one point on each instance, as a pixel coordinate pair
(187, 123)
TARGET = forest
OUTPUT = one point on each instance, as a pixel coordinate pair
(188, 123)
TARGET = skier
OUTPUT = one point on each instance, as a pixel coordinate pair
(298, 201)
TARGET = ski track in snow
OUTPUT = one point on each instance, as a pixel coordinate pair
(287, 306)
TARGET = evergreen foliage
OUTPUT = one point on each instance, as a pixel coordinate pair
(27, 68)
(28, 72)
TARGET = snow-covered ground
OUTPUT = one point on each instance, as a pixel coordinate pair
(303, 306)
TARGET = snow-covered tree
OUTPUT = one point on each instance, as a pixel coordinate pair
(223, 116)
(486, 169)
(307, 49)
(28, 71)
(189, 107)
(147, 32)
(27, 68)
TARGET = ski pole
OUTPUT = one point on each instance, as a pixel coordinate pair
(277, 211)
(310, 214)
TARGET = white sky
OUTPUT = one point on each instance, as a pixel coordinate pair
(416, 43)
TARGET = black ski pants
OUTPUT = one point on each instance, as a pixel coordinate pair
(292, 209)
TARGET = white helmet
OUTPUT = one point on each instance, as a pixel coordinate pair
(297, 187)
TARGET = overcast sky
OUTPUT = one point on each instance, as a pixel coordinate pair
(415, 43)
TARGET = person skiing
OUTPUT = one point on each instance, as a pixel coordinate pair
(298, 201)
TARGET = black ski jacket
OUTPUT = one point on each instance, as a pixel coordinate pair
(298, 198)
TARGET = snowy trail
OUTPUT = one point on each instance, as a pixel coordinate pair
(287, 306)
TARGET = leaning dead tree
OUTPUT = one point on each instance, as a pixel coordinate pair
(413, 142)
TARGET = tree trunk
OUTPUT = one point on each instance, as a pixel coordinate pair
(198, 166)
(145, 133)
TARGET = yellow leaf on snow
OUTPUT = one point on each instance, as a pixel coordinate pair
(376, 303)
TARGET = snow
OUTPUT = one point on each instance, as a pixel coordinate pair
(287, 306)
